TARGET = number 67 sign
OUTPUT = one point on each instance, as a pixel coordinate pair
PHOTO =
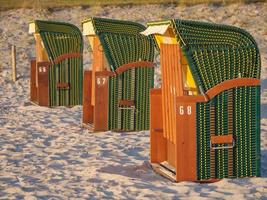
(101, 81)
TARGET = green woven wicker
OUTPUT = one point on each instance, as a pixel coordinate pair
(58, 39)
(217, 53)
(123, 44)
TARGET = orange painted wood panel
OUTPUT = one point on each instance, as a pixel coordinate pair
(33, 87)
(158, 146)
(172, 85)
(66, 56)
(101, 102)
(226, 85)
(43, 89)
(133, 65)
(164, 94)
(88, 109)
(222, 139)
(98, 63)
(171, 153)
(186, 160)
(62, 85)
(171, 66)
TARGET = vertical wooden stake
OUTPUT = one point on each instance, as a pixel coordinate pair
(13, 57)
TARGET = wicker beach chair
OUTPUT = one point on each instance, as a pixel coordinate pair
(57, 71)
(116, 90)
(209, 102)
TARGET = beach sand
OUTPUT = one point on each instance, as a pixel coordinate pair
(46, 154)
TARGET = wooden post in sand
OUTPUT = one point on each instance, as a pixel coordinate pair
(13, 61)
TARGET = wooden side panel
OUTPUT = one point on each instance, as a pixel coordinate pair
(99, 63)
(33, 86)
(101, 102)
(41, 54)
(172, 86)
(186, 161)
(43, 88)
(88, 109)
(158, 148)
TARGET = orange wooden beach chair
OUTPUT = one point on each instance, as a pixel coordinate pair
(57, 70)
(205, 119)
(116, 90)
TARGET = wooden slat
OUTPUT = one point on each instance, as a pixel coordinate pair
(179, 91)
(101, 102)
(186, 166)
(157, 141)
(44, 64)
(88, 109)
(191, 99)
(172, 86)
(163, 83)
(171, 153)
(166, 82)
(164, 94)
(108, 73)
(33, 86)
(171, 66)
(98, 63)
(222, 139)
(164, 172)
(41, 54)
(168, 77)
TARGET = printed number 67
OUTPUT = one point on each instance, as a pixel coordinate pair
(101, 81)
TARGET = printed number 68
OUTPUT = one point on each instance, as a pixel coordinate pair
(188, 110)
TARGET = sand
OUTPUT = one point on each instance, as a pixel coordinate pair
(46, 154)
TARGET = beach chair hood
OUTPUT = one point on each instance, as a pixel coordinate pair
(214, 52)
(121, 40)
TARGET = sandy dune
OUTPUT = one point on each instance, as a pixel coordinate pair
(46, 154)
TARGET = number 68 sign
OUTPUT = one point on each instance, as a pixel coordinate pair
(184, 110)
